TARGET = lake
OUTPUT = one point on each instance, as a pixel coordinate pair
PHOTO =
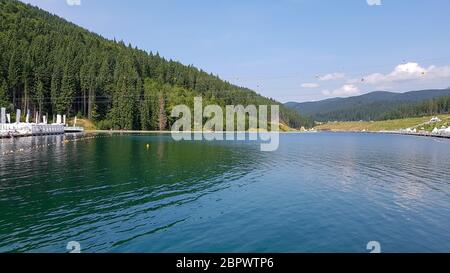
(324, 192)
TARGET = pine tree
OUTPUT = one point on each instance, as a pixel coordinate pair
(91, 91)
(55, 89)
(14, 71)
(84, 84)
(162, 113)
(40, 96)
(4, 102)
(65, 97)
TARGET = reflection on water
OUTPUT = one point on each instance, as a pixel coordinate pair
(318, 192)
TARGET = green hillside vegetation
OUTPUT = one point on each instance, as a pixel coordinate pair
(440, 105)
(407, 115)
(385, 125)
(376, 106)
(53, 66)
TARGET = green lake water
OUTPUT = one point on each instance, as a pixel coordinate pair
(320, 192)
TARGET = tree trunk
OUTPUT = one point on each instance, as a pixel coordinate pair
(162, 114)
(90, 101)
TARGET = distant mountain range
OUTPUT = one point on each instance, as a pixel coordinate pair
(371, 106)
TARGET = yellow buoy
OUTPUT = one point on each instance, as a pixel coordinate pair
(148, 146)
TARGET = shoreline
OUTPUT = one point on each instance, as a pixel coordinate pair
(292, 132)
(419, 134)
(187, 132)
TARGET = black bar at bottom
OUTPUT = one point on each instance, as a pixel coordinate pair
(223, 262)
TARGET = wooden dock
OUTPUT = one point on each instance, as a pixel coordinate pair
(8, 130)
(40, 127)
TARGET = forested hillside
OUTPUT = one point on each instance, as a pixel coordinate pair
(375, 106)
(435, 106)
(50, 65)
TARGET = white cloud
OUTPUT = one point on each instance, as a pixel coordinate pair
(345, 91)
(310, 85)
(331, 77)
(408, 72)
(438, 72)
(374, 2)
(73, 2)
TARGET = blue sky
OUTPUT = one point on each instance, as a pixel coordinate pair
(291, 50)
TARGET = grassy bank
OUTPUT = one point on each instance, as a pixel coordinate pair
(88, 125)
(384, 125)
